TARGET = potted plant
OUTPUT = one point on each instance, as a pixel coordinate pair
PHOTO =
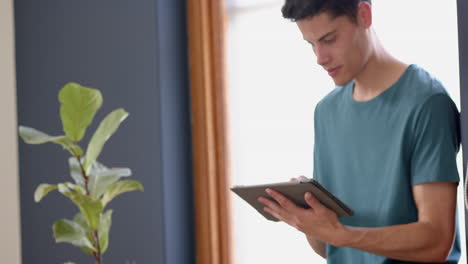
(94, 185)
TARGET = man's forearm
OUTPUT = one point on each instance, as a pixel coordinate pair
(418, 242)
(318, 246)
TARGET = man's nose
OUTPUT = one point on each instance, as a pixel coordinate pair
(323, 57)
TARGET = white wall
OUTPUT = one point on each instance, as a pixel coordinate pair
(9, 194)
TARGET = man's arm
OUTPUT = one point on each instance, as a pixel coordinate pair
(427, 240)
(318, 246)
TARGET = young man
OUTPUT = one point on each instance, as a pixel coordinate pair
(386, 140)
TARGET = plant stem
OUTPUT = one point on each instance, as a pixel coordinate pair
(97, 258)
(96, 239)
(85, 177)
(96, 255)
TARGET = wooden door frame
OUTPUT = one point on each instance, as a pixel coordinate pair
(206, 35)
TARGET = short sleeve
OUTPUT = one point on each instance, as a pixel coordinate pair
(436, 141)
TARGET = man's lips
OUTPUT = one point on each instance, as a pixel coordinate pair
(333, 71)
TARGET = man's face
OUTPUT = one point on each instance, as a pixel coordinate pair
(340, 45)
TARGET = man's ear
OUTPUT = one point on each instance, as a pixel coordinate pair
(364, 14)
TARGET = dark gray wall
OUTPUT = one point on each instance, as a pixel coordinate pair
(175, 129)
(463, 58)
(135, 52)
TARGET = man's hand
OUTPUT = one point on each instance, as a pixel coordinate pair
(316, 244)
(317, 221)
(428, 240)
(300, 178)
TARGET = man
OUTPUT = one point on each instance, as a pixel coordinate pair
(386, 140)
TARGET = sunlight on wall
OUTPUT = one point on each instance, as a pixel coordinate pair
(274, 86)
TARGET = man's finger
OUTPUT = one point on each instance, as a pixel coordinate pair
(273, 213)
(302, 178)
(282, 200)
(312, 201)
(272, 208)
(270, 203)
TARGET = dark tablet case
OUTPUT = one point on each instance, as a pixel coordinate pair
(295, 192)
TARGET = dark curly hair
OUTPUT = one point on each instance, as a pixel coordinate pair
(296, 10)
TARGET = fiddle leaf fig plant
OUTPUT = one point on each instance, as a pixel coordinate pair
(93, 184)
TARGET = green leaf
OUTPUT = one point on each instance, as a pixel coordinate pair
(120, 187)
(99, 183)
(104, 227)
(68, 187)
(100, 177)
(42, 190)
(79, 219)
(70, 232)
(34, 136)
(103, 230)
(79, 104)
(106, 128)
(69, 145)
(90, 208)
(87, 251)
(63, 188)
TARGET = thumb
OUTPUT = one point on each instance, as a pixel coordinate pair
(303, 178)
(312, 201)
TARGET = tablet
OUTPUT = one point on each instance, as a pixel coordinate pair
(294, 191)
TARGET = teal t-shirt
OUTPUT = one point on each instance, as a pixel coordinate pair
(370, 154)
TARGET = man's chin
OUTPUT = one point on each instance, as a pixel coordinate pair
(340, 81)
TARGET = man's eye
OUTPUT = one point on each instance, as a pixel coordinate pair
(330, 41)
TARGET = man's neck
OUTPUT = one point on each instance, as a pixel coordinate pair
(380, 73)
